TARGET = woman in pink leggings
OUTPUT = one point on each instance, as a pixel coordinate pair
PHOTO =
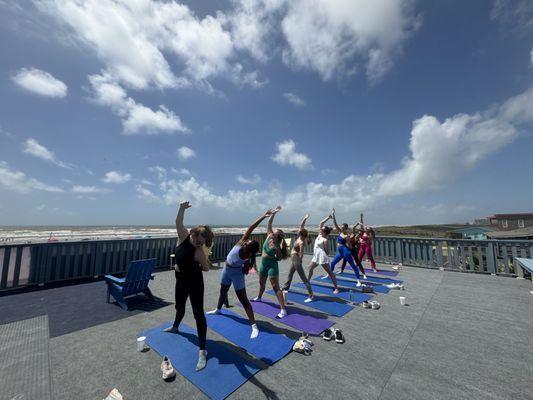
(365, 246)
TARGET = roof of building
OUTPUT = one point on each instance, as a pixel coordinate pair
(515, 233)
(513, 215)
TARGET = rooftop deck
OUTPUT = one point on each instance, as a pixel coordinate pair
(462, 336)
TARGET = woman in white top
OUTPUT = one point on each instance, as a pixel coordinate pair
(320, 253)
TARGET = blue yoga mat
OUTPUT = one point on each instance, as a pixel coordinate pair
(269, 346)
(344, 293)
(225, 372)
(378, 288)
(370, 278)
(328, 305)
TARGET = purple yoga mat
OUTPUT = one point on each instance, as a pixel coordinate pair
(297, 318)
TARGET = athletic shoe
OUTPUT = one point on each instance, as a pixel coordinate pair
(364, 276)
(306, 341)
(167, 369)
(338, 272)
(358, 284)
(336, 291)
(202, 360)
(324, 277)
(327, 335)
(339, 337)
(375, 270)
(308, 300)
(213, 312)
(282, 313)
(257, 298)
(366, 304)
(375, 305)
(255, 331)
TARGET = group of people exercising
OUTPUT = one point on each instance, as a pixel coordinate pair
(191, 258)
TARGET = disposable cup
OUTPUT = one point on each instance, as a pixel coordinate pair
(141, 343)
(402, 300)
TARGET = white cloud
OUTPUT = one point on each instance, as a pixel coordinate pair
(531, 56)
(136, 118)
(440, 152)
(40, 82)
(184, 153)
(181, 171)
(116, 177)
(40, 207)
(146, 194)
(133, 39)
(294, 99)
(159, 171)
(287, 155)
(513, 15)
(33, 147)
(334, 37)
(17, 181)
(87, 189)
(147, 182)
(254, 180)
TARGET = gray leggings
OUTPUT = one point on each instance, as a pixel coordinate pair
(297, 266)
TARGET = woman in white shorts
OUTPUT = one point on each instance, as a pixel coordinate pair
(320, 253)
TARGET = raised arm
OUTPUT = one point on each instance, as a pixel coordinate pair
(320, 226)
(252, 227)
(335, 222)
(302, 225)
(271, 219)
(180, 228)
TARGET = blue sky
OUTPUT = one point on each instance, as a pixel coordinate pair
(112, 112)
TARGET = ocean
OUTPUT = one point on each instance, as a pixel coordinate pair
(40, 234)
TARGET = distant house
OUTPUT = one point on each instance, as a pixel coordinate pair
(512, 221)
(518, 234)
(470, 232)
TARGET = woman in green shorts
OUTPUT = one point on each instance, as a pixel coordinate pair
(274, 250)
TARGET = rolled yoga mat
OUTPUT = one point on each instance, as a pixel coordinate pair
(225, 372)
(297, 318)
(344, 293)
(269, 346)
(325, 304)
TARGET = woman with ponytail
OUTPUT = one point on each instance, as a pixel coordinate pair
(274, 250)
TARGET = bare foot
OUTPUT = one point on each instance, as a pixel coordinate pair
(171, 329)
(336, 291)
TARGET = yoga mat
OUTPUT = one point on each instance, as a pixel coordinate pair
(269, 346)
(372, 279)
(225, 372)
(297, 318)
(344, 293)
(386, 272)
(378, 288)
(325, 304)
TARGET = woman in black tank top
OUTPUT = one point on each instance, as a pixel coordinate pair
(191, 260)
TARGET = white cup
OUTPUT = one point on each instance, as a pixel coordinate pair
(141, 343)
(402, 300)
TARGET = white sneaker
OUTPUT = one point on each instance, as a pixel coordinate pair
(324, 277)
(308, 300)
(213, 312)
(337, 272)
(282, 313)
(167, 369)
(358, 284)
(257, 298)
(364, 276)
(255, 331)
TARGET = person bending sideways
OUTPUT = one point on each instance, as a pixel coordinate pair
(239, 260)
(190, 260)
(274, 250)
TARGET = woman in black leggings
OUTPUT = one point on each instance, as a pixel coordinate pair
(190, 261)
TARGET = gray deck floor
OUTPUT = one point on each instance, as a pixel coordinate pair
(462, 336)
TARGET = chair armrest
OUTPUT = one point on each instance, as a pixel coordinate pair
(114, 279)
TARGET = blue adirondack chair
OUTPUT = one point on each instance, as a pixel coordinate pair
(139, 274)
